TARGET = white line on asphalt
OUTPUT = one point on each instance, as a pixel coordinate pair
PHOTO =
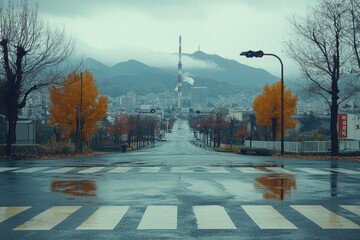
(266, 217)
(346, 171)
(49, 218)
(92, 170)
(325, 218)
(212, 217)
(159, 217)
(313, 171)
(105, 218)
(249, 170)
(280, 170)
(352, 208)
(180, 170)
(30, 170)
(61, 170)
(8, 212)
(4, 169)
(216, 170)
(150, 169)
(120, 169)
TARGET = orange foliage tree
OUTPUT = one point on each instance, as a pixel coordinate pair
(267, 108)
(65, 99)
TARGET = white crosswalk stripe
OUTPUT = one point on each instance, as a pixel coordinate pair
(92, 170)
(313, 171)
(165, 217)
(325, 218)
(212, 217)
(4, 169)
(216, 170)
(49, 218)
(30, 170)
(159, 217)
(8, 212)
(150, 169)
(266, 217)
(181, 170)
(120, 169)
(178, 169)
(105, 218)
(280, 170)
(249, 170)
(61, 170)
(342, 170)
(352, 208)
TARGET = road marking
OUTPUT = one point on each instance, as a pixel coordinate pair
(159, 217)
(8, 212)
(61, 170)
(216, 170)
(212, 217)
(4, 169)
(49, 218)
(249, 170)
(279, 170)
(266, 217)
(121, 169)
(180, 170)
(325, 218)
(30, 170)
(150, 169)
(313, 171)
(352, 208)
(105, 218)
(92, 170)
(342, 170)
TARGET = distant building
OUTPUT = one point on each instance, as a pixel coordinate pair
(127, 102)
(198, 97)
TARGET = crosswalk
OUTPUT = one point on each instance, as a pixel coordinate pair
(180, 170)
(165, 217)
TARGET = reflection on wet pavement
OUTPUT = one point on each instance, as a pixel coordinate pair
(75, 188)
(276, 186)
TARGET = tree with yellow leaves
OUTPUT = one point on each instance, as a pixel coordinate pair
(67, 109)
(267, 108)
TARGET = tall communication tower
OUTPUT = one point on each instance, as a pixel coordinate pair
(179, 78)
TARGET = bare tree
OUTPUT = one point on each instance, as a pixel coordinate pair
(321, 47)
(30, 51)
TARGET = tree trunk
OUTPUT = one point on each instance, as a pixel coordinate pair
(273, 128)
(11, 113)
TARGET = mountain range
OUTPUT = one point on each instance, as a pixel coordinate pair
(223, 77)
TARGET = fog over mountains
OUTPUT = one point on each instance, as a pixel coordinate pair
(221, 76)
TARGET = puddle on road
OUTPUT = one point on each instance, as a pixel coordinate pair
(75, 188)
(276, 186)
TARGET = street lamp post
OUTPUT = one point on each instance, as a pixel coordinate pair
(260, 54)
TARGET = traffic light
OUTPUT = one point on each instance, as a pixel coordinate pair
(250, 54)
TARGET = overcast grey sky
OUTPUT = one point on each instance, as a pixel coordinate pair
(147, 30)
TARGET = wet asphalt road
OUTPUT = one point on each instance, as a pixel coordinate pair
(177, 190)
